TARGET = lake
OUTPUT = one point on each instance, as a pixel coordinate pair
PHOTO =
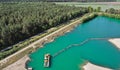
(99, 52)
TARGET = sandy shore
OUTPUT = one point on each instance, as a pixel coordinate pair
(90, 66)
(116, 42)
(18, 65)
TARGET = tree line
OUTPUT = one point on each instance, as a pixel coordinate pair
(19, 21)
(112, 11)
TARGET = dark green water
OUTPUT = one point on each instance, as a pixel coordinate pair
(99, 52)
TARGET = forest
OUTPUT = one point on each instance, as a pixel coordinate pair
(19, 21)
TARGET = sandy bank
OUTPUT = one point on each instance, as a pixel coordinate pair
(90, 66)
(116, 42)
(18, 65)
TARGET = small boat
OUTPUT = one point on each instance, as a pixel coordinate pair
(47, 60)
(30, 68)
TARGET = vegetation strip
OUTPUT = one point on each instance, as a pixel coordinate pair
(60, 0)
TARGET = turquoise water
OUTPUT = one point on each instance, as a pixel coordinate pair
(99, 52)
